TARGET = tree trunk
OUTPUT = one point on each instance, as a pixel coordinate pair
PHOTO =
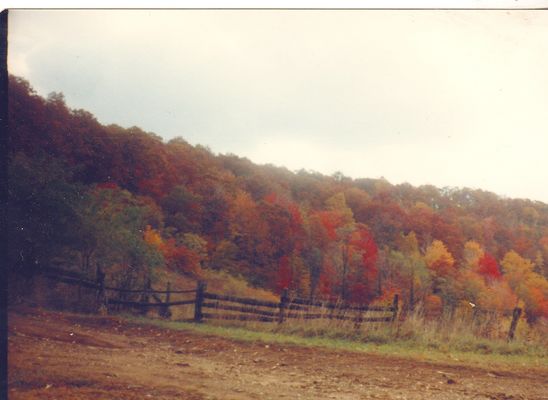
(412, 293)
(344, 272)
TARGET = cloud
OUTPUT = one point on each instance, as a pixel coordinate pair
(449, 98)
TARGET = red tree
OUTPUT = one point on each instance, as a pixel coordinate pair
(488, 267)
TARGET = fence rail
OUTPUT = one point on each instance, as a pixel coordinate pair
(324, 304)
(244, 309)
(218, 306)
(149, 291)
(239, 317)
(148, 304)
(241, 300)
(74, 281)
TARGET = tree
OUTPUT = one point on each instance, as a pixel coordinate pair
(339, 224)
(529, 287)
(117, 235)
(42, 220)
(84, 193)
(408, 269)
(488, 267)
(439, 259)
(349, 269)
(472, 254)
(384, 216)
(362, 258)
(224, 257)
(183, 210)
(442, 267)
(497, 296)
(249, 232)
(516, 271)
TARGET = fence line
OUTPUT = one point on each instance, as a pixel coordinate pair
(325, 304)
(286, 308)
(95, 285)
(219, 306)
(75, 281)
(147, 304)
(241, 300)
(238, 317)
(149, 291)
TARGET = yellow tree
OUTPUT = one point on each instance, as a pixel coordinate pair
(473, 285)
(439, 259)
(471, 254)
(478, 275)
(516, 270)
(529, 287)
(442, 267)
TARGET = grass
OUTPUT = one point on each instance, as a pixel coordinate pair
(382, 340)
(455, 340)
(452, 340)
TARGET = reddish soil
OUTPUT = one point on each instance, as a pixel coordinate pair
(64, 356)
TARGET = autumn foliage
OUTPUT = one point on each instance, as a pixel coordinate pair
(84, 195)
(488, 267)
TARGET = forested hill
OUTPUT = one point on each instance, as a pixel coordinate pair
(82, 195)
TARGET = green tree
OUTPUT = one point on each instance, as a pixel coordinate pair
(42, 217)
(113, 226)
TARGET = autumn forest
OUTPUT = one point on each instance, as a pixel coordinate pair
(84, 196)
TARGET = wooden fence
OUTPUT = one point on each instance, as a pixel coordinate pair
(239, 308)
(245, 309)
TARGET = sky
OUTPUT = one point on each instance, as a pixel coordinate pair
(448, 98)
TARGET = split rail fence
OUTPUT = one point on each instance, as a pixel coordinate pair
(239, 308)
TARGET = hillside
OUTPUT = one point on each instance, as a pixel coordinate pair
(83, 196)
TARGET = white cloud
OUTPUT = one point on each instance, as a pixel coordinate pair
(442, 97)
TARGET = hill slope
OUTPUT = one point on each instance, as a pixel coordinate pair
(83, 195)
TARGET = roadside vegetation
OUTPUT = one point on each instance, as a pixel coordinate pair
(415, 337)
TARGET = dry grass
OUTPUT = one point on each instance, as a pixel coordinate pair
(461, 334)
(217, 282)
(484, 335)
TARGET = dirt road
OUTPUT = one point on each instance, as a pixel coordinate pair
(61, 356)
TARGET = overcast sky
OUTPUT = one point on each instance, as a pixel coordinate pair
(449, 98)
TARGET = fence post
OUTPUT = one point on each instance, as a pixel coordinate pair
(100, 298)
(145, 297)
(200, 290)
(164, 311)
(515, 318)
(79, 297)
(358, 320)
(395, 307)
(284, 298)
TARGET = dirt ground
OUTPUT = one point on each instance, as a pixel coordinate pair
(62, 356)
